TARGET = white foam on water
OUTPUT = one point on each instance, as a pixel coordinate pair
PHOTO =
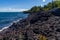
(5, 27)
(10, 24)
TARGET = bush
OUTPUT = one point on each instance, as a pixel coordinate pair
(41, 37)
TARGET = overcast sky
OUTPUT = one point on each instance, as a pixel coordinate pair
(20, 5)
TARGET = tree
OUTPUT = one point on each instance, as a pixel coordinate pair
(35, 9)
(49, 6)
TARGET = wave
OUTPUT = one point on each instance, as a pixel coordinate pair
(5, 27)
(10, 24)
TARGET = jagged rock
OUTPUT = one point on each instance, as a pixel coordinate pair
(46, 23)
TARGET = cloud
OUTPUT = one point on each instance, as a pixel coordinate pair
(44, 0)
(12, 10)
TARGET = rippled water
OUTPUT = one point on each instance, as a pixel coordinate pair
(6, 18)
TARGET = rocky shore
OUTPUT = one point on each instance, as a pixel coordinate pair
(45, 24)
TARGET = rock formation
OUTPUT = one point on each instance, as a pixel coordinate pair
(46, 23)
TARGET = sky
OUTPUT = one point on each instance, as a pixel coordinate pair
(20, 5)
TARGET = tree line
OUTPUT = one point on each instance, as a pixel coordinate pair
(56, 4)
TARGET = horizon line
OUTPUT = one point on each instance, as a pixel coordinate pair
(12, 10)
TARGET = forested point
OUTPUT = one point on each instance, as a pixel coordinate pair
(49, 6)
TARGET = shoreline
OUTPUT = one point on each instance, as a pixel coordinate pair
(41, 23)
(10, 24)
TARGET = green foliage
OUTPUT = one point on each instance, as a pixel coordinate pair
(41, 37)
(47, 7)
(55, 4)
(35, 9)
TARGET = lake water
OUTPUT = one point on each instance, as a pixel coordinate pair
(6, 18)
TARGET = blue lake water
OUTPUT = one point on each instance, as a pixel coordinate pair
(6, 18)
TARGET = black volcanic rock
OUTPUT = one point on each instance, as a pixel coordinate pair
(55, 11)
(46, 23)
(42, 16)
